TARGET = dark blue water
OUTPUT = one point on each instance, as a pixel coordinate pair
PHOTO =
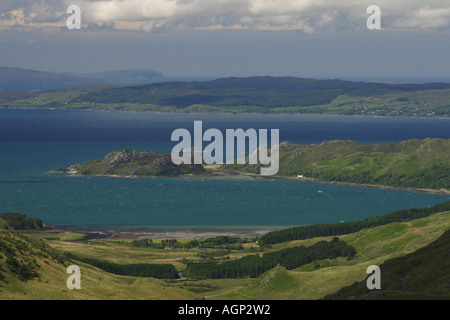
(35, 141)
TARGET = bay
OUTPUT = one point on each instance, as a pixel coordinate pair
(35, 141)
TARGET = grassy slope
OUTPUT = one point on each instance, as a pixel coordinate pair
(319, 279)
(51, 282)
(411, 163)
(423, 274)
(95, 285)
(312, 281)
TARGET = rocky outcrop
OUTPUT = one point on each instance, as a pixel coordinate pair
(135, 163)
(128, 156)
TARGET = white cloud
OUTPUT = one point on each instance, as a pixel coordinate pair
(306, 15)
(426, 18)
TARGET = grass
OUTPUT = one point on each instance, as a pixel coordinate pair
(64, 236)
(409, 164)
(312, 281)
(122, 254)
(373, 246)
(95, 285)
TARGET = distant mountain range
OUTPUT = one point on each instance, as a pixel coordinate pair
(26, 80)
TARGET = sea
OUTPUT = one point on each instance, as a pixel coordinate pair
(35, 141)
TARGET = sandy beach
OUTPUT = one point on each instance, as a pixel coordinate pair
(154, 234)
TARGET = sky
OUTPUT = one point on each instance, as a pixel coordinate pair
(221, 38)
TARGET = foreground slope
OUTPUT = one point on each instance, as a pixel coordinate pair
(31, 270)
(318, 279)
(423, 274)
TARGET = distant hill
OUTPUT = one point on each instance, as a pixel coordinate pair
(8, 95)
(423, 274)
(145, 91)
(266, 92)
(26, 80)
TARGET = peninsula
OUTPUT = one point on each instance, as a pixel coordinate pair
(416, 164)
(132, 163)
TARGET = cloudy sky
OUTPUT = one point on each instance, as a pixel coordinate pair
(214, 38)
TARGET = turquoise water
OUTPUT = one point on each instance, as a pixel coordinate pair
(35, 141)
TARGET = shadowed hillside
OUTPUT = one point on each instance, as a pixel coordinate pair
(423, 274)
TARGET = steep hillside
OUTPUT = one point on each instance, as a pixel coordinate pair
(423, 274)
(21, 258)
(32, 270)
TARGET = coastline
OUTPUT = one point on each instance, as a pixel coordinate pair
(233, 174)
(154, 233)
(349, 184)
(232, 112)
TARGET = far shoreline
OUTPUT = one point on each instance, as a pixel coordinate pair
(233, 113)
(154, 232)
(233, 174)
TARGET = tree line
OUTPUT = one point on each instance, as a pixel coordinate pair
(326, 230)
(159, 271)
(18, 221)
(255, 265)
(221, 242)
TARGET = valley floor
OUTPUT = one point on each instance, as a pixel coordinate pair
(308, 282)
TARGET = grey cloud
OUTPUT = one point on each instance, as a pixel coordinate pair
(308, 15)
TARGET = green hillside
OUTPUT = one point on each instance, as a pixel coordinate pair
(134, 163)
(412, 163)
(34, 266)
(324, 277)
(276, 280)
(253, 94)
(423, 274)
(32, 270)
(342, 228)
(419, 164)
